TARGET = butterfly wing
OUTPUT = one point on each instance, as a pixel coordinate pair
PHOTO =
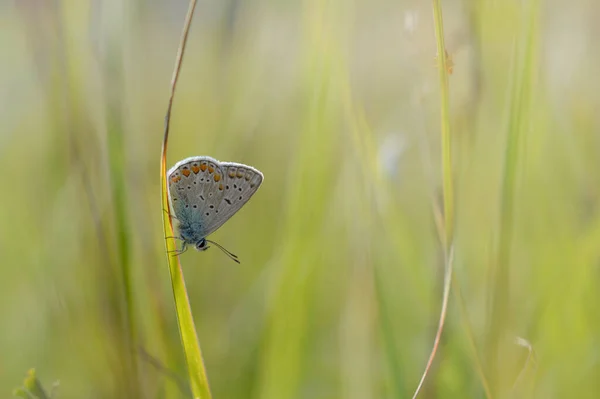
(241, 182)
(196, 189)
(207, 193)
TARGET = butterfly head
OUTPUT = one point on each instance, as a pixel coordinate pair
(202, 245)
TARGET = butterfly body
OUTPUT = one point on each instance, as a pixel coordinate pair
(204, 193)
(190, 233)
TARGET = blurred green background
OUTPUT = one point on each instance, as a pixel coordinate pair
(337, 102)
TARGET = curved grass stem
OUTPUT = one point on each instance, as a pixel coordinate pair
(438, 335)
(187, 329)
(448, 189)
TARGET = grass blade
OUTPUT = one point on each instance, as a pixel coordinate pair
(499, 322)
(448, 190)
(187, 329)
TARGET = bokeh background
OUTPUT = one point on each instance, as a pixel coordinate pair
(339, 290)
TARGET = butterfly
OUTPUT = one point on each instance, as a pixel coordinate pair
(205, 193)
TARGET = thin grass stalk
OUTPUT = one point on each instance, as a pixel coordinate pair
(438, 217)
(463, 312)
(449, 260)
(448, 190)
(439, 223)
(448, 187)
(189, 338)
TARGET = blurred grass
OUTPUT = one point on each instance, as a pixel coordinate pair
(116, 162)
(339, 289)
(32, 387)
(501, 368)
(445, 67)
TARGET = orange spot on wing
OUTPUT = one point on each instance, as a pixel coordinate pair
(220, 187)
(195, 169)
(210, 169)
(186, 172)
(217, 177)
(240, 173)
(203, 167)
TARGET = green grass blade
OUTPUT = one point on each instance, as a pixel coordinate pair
(187, 329)
(523, 68)
(448, 189)
(32, 388)
(119, 194)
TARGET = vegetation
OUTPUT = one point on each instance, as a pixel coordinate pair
(378, 177)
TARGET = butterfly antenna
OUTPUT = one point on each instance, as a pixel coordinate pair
(230, 254)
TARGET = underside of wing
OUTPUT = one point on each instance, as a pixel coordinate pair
(196, 189)
(240, 184)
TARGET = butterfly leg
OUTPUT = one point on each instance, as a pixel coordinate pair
(178, 252)
(170, 214)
